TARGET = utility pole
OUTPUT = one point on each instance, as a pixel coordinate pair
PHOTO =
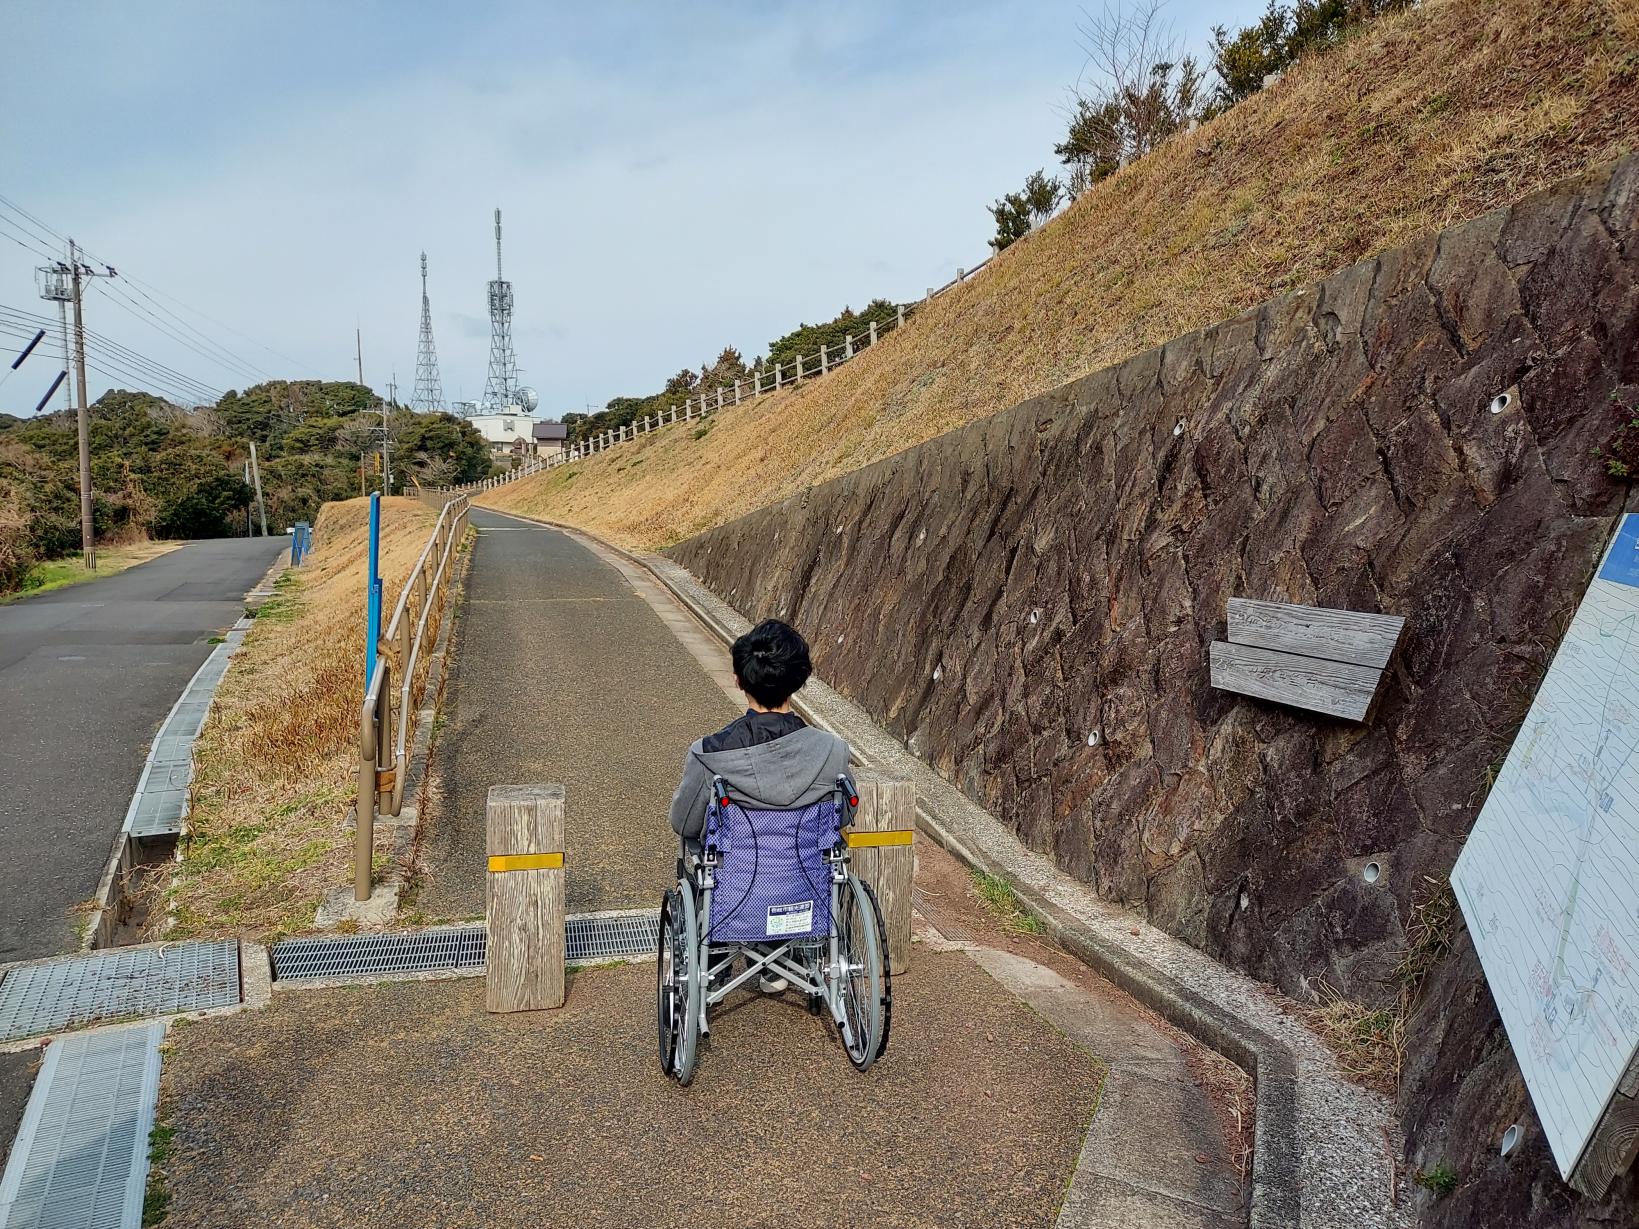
(256, 474)
(76, 271)
(386, 408)
(358, 341)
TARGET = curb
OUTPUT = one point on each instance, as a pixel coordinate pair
(1276, 1149)
(110, 896)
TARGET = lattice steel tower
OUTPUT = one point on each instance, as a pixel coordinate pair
(501, 389)
(429, 392)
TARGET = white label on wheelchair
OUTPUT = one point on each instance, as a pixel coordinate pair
(792, 919)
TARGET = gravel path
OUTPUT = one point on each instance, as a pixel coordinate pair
(406, 1103)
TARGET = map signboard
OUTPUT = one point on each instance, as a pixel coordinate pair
(1549, 878)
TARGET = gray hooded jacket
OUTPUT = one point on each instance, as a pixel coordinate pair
(793, 770)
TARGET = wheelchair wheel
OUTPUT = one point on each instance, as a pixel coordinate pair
(677, 984)
(865, 988)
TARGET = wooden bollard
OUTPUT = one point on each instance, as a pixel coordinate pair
(524, 955)
(883, 855)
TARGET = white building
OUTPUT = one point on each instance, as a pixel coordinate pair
(506, 432)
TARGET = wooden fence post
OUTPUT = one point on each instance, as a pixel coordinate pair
(736, 392)
(873, 332)
(719, 396)
(524, 902)
(847, 345)
(882, 854)
(899, 316)
(824, 363)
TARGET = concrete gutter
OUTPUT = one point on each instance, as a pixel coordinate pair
(110, 900)
(1325, 1150)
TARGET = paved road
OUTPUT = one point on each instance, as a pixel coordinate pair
(561, 673)
(87, 673)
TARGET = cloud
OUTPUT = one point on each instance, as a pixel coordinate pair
(673, 179)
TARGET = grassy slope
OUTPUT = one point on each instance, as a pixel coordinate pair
(277, 763)
(1424, 119)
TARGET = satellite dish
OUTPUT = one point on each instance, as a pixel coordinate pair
(528, 399)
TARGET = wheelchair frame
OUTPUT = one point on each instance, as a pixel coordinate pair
(847, 979)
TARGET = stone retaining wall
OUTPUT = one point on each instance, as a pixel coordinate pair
(1028, 601)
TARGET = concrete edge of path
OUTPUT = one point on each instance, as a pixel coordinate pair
(1096, 932)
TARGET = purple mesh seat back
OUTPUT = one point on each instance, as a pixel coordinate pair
(773, 884)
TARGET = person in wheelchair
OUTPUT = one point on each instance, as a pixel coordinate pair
(763, 873)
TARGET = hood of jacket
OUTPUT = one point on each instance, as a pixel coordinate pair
(791, 771)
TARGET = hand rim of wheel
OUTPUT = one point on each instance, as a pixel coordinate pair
(864, 992)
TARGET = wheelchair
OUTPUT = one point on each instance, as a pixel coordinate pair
(772, 888)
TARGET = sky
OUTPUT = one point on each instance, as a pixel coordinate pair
(673, 178)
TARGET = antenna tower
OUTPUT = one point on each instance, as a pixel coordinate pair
(501, 389)
(429, 392)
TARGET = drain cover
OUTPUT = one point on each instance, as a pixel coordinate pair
(81, 1156)
(426, 951)
(136, 981)
(609, 935)
(604, 936)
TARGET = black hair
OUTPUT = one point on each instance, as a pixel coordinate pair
(771, 662)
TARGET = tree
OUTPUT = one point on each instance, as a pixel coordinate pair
(1012, 215)
(1137, 92)
(1280, 38)
(1018, 213)
(1041, 196)
(683, 382)
(729, 367)
(207, 509)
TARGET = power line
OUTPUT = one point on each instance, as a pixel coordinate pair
(22, 243)
(111, 353)
(138, 285)
(154, 322)
(243, 364)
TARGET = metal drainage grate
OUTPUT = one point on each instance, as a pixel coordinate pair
(613, 935)
(137, 981)
(453, 948)
(81, 1156)
(426, 951)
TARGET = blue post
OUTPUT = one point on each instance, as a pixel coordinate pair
(372, 625)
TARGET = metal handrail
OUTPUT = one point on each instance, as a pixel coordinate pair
(381, 785)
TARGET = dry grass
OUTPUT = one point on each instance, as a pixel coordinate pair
(1369, 1042)
(1425, 119)
(277, 761)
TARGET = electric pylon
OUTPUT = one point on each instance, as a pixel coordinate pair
(501, 389)
(429, 393)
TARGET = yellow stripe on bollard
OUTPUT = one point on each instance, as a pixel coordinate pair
(524, 862)
(871, 840)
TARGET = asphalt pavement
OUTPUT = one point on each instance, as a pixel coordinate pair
(87, 673)
(562, 674)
